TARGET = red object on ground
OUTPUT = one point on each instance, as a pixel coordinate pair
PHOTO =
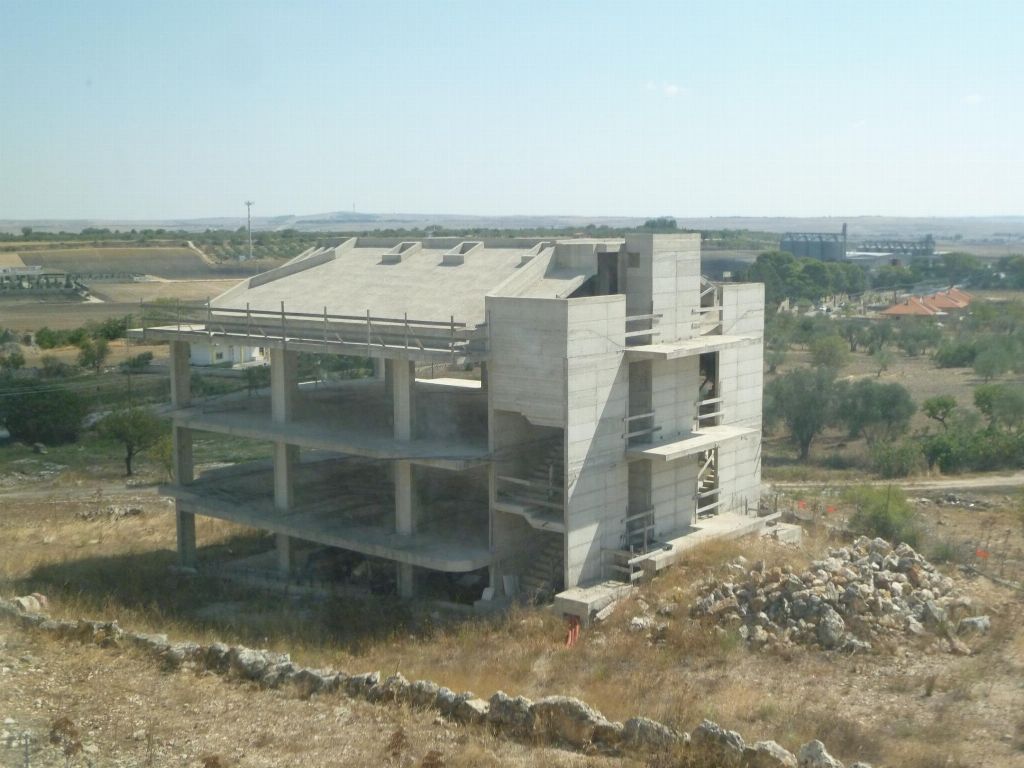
(574, 631)
(983, 554)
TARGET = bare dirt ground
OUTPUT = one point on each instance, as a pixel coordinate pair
(186, 290)
(909, 705)
(130, 713)
(58, 313)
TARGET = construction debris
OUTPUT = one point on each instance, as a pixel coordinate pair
(849, 601)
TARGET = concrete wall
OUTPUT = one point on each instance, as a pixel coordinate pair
(673, 496)
(596, 483)
(741, 373)
(665, 280)
(526, 367)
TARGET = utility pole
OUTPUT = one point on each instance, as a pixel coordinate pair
(248, 216)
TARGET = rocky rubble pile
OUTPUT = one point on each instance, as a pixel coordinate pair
(553, 719)
(854, 598)
(112, 512)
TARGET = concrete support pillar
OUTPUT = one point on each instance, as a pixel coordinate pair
(182, 455)
(181, 375)
(286, 457)
(378, 368)
(186, 526)
(401, 375)
(283, 391)
(283, 384)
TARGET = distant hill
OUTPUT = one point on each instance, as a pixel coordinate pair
(987, 229)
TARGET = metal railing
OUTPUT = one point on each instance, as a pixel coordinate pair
(709, 410)
(646, 335)
(323, 331)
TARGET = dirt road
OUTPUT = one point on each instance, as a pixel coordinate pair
(975, 482)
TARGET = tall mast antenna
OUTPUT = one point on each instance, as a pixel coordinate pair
(248, 216)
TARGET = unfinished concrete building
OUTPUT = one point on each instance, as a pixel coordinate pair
(608, 405)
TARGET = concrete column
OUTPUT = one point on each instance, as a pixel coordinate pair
(378, 367)
(402, 378)
(186, 526)
(286, 457)
(283, 384)
(182, 455)
(181, 375)
(283, 390)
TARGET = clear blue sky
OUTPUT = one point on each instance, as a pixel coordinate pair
(187, 108)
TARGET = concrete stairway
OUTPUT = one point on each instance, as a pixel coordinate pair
(543, 576)
(707, 485)
(538, 497)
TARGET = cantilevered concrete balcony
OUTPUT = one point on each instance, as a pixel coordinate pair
(698, 441)
(356, 418)
(697, 345)
(346, 503)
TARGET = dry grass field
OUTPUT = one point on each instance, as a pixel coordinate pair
(908, 705)
(117, 300)
(171, 262)
(185, 290)
(163, 261)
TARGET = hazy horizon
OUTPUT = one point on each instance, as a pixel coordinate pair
(743, 110)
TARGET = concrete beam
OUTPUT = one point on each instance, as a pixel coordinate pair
(283, 384)
(181, 375)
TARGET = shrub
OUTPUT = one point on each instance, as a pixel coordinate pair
(956, 354)
(883, 512)
(48, 339)
(829, 352)
(139, 362)
(53, 368)
(897, 459)
(50, 415)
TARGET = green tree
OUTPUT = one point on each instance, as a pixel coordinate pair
(137, 363)
(939, 408)
(883, 512)
(917, 335)
(92, 354)
(1002, 404)
(882, 360)
(990, 363)
(12, 361)
(48, 339)
(137, 429)
(34, 415)
(875, 411)
(660, 224)
(957, 267)
(829, 352)
(804, 401)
